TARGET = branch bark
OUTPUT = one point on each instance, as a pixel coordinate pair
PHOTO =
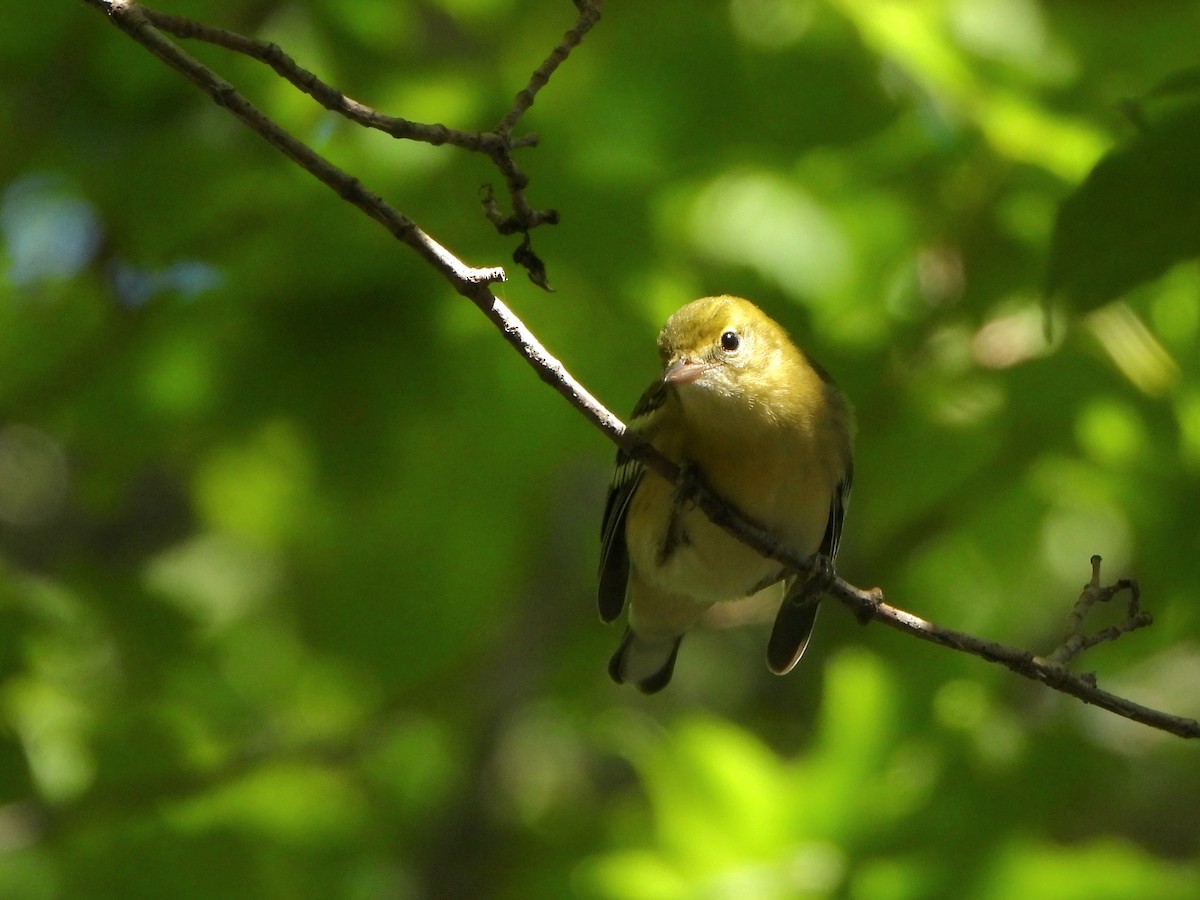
(498, 144)
(473, 283)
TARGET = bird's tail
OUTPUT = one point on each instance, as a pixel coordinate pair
(648, 664)
(794, 623)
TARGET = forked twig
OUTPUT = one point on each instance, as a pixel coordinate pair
(1076, 641)
(498, 144)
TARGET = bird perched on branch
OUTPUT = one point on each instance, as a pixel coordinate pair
(763, 426)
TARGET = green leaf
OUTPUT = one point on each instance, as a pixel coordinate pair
(1136, 215)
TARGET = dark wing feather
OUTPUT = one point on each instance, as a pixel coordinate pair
(614, 554)
(837, 514)
(798, 612)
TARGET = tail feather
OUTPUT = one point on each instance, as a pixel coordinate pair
(648, 664)
(794, 626)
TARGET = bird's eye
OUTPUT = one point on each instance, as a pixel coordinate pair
(730, 341)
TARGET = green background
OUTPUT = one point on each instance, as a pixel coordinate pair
(297, 556)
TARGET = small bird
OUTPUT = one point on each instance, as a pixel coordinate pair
(742, 408)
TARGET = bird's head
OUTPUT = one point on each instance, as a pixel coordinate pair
(725, 347)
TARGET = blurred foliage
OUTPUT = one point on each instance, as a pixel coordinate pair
(297, 557)
(1137, 214)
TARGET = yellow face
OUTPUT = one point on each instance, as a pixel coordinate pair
(722, 343)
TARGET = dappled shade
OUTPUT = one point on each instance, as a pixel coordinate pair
(297, 557)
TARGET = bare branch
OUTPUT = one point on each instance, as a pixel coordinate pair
(524, 217)
(498, 144)
(1075, 641)
(1048, 671)
(326, 95)
(589, 15)
(473, 283)
(131, 18)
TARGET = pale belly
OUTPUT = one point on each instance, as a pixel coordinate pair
(708, 564)
(694, 558)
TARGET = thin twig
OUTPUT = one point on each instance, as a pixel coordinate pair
(498, 145)
(1038, 668)
(328, 96)
(1076, 640)
(589, 15)
(524, 217)
(473, 283)
(131, 19)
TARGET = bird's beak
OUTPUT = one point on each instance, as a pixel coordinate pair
(683, 371)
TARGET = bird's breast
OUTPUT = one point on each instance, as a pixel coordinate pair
(677, 549)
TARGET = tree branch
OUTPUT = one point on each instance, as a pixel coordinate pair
(132, 19)
(473, 283)
(589, 15)
(523, 217)
(1075, 641)
(328, 96)
(497, 144)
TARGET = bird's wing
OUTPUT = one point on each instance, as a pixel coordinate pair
(837, 513)
(798, 612)
(614, 554)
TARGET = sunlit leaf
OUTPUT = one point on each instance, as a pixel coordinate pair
(1136, 215)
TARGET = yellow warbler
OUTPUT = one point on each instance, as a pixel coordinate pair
(744, 409)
